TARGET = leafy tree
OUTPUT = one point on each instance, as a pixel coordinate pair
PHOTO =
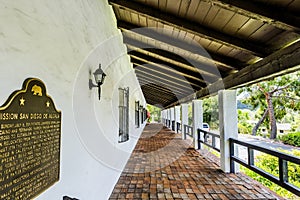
(211, 112)
(274, 98)
(154, 112)
(243, 125)
(269, 164)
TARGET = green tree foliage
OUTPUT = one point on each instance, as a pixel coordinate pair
(291, 139)
(269, 164)
(243, 126)
(273, 99)
(154, 112)
(211, 112)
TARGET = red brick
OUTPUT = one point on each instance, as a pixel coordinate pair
(193, 175)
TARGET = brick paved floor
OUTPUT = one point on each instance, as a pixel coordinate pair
(162, 166)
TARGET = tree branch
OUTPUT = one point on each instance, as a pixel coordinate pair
(261, 89)
(286, 97)
(282, 88)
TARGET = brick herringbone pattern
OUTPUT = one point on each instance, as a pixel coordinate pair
(162, 166)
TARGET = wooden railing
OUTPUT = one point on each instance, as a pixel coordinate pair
(188, 130)
(203, 139)
(179, 127)
(283, 159)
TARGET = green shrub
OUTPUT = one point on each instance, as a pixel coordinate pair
(269, 164)
(244, 128)
(291, 139)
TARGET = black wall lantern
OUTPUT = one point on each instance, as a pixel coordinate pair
(99, 76)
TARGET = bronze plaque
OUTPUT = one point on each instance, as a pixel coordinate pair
(30, 131)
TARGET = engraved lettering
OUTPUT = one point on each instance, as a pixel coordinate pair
(29, 144)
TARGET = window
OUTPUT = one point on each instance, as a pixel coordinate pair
(137, 114)
(141, 114)
(123, 114)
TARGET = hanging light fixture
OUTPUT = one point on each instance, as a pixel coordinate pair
(99, 76)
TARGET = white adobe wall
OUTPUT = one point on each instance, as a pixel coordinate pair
(59, 42)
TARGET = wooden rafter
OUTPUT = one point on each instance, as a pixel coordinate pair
(172, 59)
(190, 27)
(166, 74)
(181, 86)
(192, 77)
(160, 87)
(268, 14)
(283, 61)
(195, 48)
(178, 90)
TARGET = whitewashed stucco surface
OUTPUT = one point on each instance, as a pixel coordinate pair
(59, 42)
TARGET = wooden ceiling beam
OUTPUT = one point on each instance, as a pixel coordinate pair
(283, 61)
(164, 83)
(191, 27)
(169, 96)
(155, 97)
(196, 77)
(159, 86)
(210, 69)
(268, 14)
(166, 74)
(161, 91)
(183, 86)
(194, 48)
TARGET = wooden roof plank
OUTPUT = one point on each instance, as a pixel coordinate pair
(197, 29)
(191, 47)
(275, 16)
(164, 83)
(183, 64)
(283, 61)
(185, 86)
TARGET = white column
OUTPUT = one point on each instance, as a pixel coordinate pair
(169, 117)
(184, 118)
(228, 125)
(197, 119)
(177, 116)
(163, 116)
(172, 113)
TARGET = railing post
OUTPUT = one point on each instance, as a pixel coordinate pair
(283, 170)
(199, 143)
(231, 151)
(184, 119)
(197, 120)
(250, 156)
(228, 126)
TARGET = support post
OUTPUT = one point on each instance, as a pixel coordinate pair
(177, 117)
(228, 126)
(197, 120)
(172, 118)
(169, 117)
(184, 118)
(163, 114)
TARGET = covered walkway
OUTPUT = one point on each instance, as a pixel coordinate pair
(163, 166)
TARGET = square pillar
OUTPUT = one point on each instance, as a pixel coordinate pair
(172, 117)
(169, 117)
(197, 120)
(177, 117)
(163, 116)
(184, 118)
(228, 122)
